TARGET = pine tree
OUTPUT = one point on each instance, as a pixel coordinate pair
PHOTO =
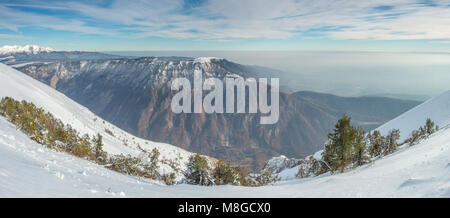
(338, 151)
(430, 127)
(62, 135)
(198, 171)
(100, 155)
(224, 173)
(390, 145)
(242, 172)
(360, 156)
(125, 164)
(376, 143)
(422, 133)
(414, 138)
(169, 179)
(154, 158)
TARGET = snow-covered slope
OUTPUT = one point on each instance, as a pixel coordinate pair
(22, 87)
(437, 109)
(28, 169)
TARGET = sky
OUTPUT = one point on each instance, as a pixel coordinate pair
(318, 25)
(345, 47)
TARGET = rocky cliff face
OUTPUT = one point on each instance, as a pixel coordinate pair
(135, 95)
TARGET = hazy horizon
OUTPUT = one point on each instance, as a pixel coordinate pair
(345, 73)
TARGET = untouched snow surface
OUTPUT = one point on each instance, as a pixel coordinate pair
(27, 169)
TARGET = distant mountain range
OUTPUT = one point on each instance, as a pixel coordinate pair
(367, 112)
(134, 94)
(21, 54)
(401, 96)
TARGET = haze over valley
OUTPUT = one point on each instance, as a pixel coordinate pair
(407, 75)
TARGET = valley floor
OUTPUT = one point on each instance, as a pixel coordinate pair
(27, 169)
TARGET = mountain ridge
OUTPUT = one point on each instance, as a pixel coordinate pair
(14, 55)
(29, 49)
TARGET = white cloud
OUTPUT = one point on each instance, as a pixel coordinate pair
(222, 20)
(12, 19)
(11, 36)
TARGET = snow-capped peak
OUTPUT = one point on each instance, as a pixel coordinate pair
(29, 49)
(203, 60)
